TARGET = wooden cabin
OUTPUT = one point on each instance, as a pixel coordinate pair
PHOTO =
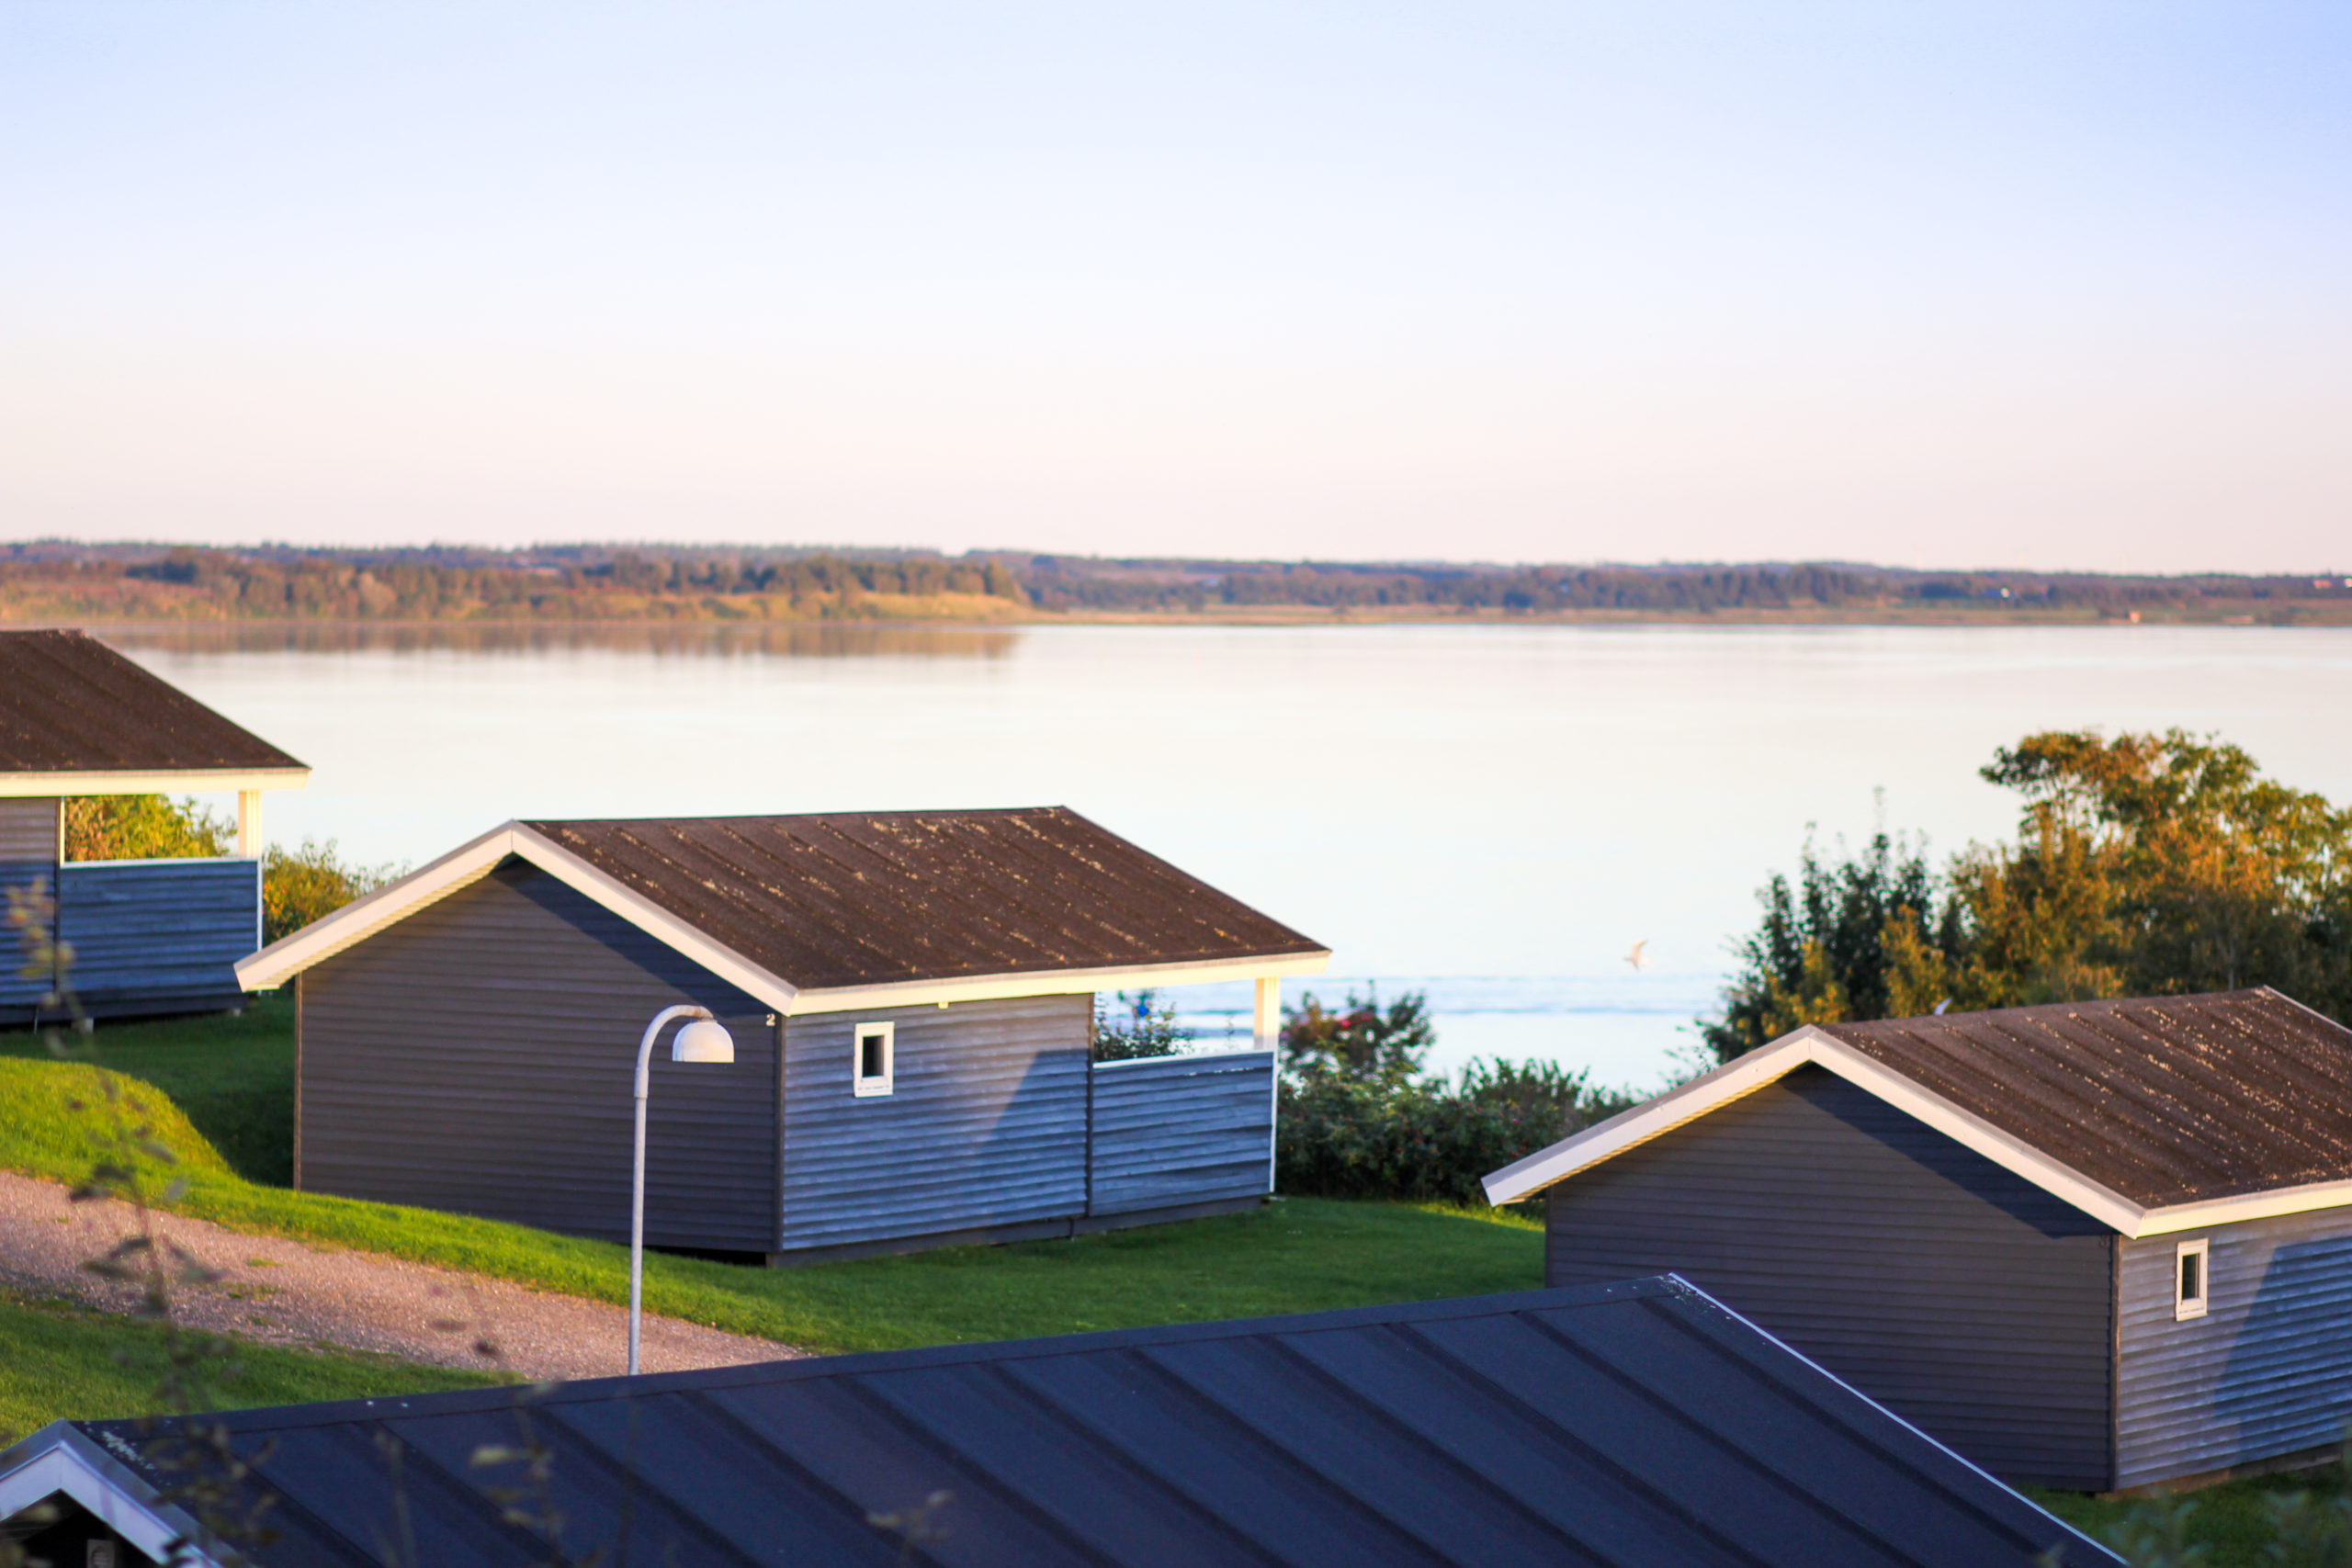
(1637, 1424)
(912, 1000)
(78, 720)
(2091, 1244)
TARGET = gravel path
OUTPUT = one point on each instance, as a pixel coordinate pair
(284, 1292)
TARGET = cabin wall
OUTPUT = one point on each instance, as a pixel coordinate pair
(159, 935)
(1963, 1298)
(478, 1057)
(28, 832)
(27, 855)
(1180, 1130)
(985, 1127)
(2264, 1373)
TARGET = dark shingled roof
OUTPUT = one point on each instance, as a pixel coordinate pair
(2165, 1100)
(70, 703)
(857, 899)
(1639, 1423)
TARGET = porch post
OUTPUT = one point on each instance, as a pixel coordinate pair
(249, 823)
(1269, 1030)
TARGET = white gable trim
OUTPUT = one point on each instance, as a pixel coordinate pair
(1054, 982)
(157, 781)
(61, 1458)
(469, 863)
(1809, 1045)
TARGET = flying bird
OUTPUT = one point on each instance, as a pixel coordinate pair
(1634, 957)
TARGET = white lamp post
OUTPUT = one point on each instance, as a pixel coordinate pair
(705, 1039)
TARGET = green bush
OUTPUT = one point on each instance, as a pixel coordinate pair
(1343, 1137)
(309, 884)
(1365, 1041)
(144, 827)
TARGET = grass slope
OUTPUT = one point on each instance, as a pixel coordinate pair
(58, 1360)
(1302, 1255)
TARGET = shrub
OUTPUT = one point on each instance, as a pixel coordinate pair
(1365, 1041)
(1140, 1026)
(303, 885)
(144, 827)
(1343, 1137)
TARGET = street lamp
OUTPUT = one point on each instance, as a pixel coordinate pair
(705, 1039)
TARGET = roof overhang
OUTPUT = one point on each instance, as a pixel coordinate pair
(151, 781)
(62, 1457)
(1810, 1046)
(469, 863)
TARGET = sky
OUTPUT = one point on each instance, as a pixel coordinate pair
(1994, 283)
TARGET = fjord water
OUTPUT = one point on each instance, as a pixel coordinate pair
(1496, 814)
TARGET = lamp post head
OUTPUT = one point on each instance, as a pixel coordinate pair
(705, 1039)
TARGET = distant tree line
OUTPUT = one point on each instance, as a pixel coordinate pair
(55, 578)
(360, 585)
(2143, 865)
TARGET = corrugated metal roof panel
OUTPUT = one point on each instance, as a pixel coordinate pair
(1638, 1423)
(70, 703)
(872, 897)
(2165, 1100)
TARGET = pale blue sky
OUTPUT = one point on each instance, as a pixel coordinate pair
(2056, 284)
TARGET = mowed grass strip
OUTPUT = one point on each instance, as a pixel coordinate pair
(60, 1360)
(1298, 1255)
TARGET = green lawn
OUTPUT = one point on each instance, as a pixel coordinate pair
(57, 1359)
(1300, 1255)
(232, 1078)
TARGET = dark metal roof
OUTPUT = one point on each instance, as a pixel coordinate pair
(1636, 1423)
(2164, 1099)
(872, 897)
(70, 703)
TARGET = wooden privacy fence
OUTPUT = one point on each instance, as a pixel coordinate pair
(1180, 1130)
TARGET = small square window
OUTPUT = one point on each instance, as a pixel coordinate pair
(2190, 1279)
(871, 1066)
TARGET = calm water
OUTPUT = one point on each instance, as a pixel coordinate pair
(1496, 814)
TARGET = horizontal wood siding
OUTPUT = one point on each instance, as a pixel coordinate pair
(150, 930)
(1182, 1130)
(986, 1124)
(478, 1057)
(28, 832)
(2267, 1370)
(27, 856)
(1969, 1301)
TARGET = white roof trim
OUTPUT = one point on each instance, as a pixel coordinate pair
(1054, 982)
(151, 781)
(1811, 1046)
(62, 1457)
(320, 940)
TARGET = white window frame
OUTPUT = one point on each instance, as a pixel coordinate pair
(863, 1086)
(2185, 1306)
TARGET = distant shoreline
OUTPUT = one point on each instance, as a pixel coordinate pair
(1262, 616)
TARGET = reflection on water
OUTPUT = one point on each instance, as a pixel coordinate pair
(791, 640)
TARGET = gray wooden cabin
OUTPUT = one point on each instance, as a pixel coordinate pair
(912, 1000)
(2092, 1245)
(76, 719)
